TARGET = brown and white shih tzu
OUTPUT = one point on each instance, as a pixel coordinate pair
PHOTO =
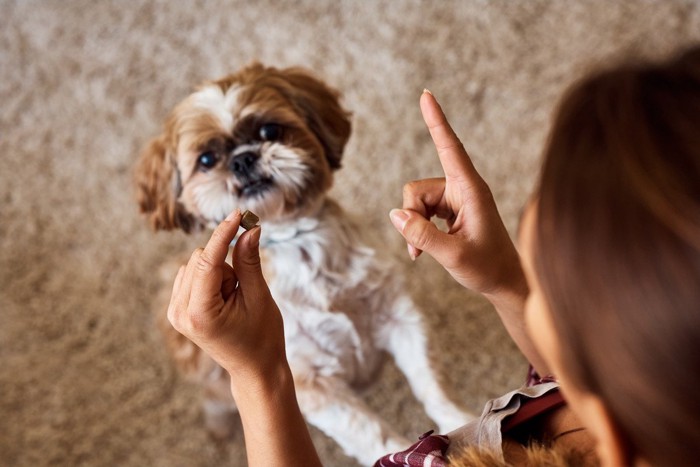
(270, 140)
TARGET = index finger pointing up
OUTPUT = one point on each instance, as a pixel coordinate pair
(453, 157)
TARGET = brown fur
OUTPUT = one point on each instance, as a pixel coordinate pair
(312, 98)
(156, 183)
(270, 141)
(315, 122)
(535, 455)
(159, 175)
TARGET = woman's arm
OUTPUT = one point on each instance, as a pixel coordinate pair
(274, 428)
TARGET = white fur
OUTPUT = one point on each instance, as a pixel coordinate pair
(213, 200)
(344, 303)
(213, 99)
(342, 299)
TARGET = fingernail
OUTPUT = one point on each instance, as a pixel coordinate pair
(412, 252)
(236, 212)
(427, 91)
(398, 218)
(255, 232)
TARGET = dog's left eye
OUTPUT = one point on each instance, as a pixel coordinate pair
(270, 132)
(207, 160)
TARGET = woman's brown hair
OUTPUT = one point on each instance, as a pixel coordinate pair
(617, 249)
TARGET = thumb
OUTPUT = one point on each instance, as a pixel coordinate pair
(420, 233)
(246, 259)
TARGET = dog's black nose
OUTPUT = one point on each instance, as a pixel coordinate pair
(242, 164)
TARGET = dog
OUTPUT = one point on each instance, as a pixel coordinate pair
(270, 140)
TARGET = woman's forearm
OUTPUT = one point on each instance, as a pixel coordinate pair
(274, 428)
(509, 303)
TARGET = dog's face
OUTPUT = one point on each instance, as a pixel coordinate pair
(263, 139)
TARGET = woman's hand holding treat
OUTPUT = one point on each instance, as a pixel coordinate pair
(228, 311)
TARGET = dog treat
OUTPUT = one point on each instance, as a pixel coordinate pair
(249, 220)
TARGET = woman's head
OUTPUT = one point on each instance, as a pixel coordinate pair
(616, 250)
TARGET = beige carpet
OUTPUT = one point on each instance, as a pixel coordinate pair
(83, 84)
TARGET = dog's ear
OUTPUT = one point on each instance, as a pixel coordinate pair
(158, 186)
(320, 104)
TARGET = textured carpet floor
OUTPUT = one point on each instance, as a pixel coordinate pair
(84, 379)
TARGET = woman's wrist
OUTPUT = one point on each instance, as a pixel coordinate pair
(511, 290)
(274, 428)
(262, 380)
(509, 299)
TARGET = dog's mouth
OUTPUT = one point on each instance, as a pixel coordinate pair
(256, 187)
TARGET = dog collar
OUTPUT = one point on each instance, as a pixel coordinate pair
(272, 234)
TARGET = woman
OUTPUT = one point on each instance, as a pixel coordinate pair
(605, 293)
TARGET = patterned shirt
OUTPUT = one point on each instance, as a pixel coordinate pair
(540, 394)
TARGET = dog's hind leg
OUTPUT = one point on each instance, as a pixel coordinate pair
(402, 334)
(330, 405)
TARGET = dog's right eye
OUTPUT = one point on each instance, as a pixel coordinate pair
(207, 160)
(270, 132)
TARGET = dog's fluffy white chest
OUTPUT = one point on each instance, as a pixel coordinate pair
(330, 285)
